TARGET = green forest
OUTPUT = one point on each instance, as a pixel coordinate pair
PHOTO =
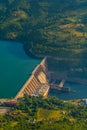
(46, 27)
(36, 113)
(53, 28)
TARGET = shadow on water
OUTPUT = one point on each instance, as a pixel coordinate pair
(77, 91)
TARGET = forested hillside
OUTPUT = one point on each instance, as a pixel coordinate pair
(56, 28)
(36, 113)
(46, 27)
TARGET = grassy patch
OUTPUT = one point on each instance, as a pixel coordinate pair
(43, 114)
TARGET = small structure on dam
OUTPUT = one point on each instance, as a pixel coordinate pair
(42, 90)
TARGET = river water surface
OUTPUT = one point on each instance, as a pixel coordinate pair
(15, 68)
(78, 91)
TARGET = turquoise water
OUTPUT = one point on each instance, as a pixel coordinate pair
(15, 68)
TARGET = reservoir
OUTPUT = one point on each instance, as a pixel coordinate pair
(15, 68)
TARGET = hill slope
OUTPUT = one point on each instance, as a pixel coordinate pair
(46, 27)
(56, 28)
(35, 113)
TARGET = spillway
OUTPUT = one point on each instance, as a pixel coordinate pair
(34, 84)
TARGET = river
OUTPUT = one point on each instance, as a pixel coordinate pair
(78, 91)
(15, 68)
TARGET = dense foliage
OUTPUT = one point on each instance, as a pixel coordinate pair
(36, 113)
(56, 28)
(46, 27)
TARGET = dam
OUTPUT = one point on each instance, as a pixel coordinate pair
(37, 84)
(16, 67)
(43, 81)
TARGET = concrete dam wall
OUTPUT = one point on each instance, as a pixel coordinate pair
(37, 84)
(41, 79)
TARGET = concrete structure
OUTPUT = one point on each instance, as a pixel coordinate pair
(36, 81)
(59, 86)
(42, 90)
(61, 83)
